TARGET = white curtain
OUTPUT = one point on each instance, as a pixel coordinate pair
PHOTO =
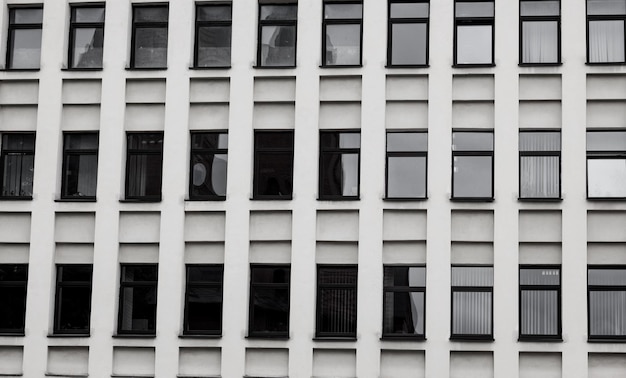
(540, 42)
(606, 41)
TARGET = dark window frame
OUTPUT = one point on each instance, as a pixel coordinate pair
(540, 154)
(392, 154)
(283, 22)
(543, 287)
(391, 21)
(474, 21)
(347, 336)
(202, 24)
(205, 151)
(340, 151)
(145, 24)
(16, 284)
(135, 152)
(4, 152)
(74, 25)
(202, 284)
(602, 155)
(590, 288)
(253, 286)
(271, 150)
(523, 19)
(67, 152)
(404, 289)
(60, 284)
(342, 21)
(471, 289)
(475, 153)
(606, 17)
(27, 26)
(137, 284)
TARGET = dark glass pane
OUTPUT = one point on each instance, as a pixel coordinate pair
(539, 313)
(606, 141)
(139, 273)
(87, 47)
(150, 14)
(138, 309)
(406, 177)
(208, 174)
(270, 275)
(272, 140)
(403, 313)
(144, 175)
(18, 172)
(25, 48)
(213, 274)
(209, 140)
(213, 13)
(13, 301)
(539, 8)
(147, 142)
(83, 141)
(278, 12)
(74, 311)
(88, 14)
(213, 46)
(540, 176)
(80, 176)
(270, 308)
(340, 140)
(18, 142)
(13, 272)
(474, 9)
(471, 313)
(407, 142)
(409, 10)
(472, 141)
(540, 141)
(474, 44)
(278, 46)
(607, 313)
(599, 7)
(274, 175)
(337, 313)
(405, 276)
(606, 41)
(204, 309)
(408, 44)
(26, 16)
(150, 47)
(75, 273)
(606, 178)
(343, 45)
(338, 276)
(472, 177)
(339, 174)
(346, 11)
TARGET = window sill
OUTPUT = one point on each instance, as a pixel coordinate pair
(275, 67)
(210, 68)
(539, 339)
(146, 68)
(78, 69)
(9, 334)
(403, 338)
(199, 336)
(392, 66)
(606, 199)
(28, 198)
(605, 63)
(398, 199)
(77, 199)
(540, 199)
(268, 337)
(621, 340)
(140, 200)
(338, 198)
(481, 65)
(556, 64)
(134, 336)
(335, 338)
(342, 66)
(472, 339)
(271, 198)
(68, 335)
(466, 199)
(132, 376)
(220, 198)
(64, 375)
(20, 69)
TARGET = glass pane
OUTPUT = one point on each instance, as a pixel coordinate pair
(407, 142)
(88, 14)
(26, 16)
(145, 141)
(406, 177)
(213, 46)
(539, 141)
(472, 177)
(539, 8)
(606, 178)
(607, 277)
(414, 276)
(275, 275)
(138, 309)
(409, 10)
(204, 309)
(471, 313)
(337, 140)
(403, 313)
(18, 142)
(472, 141)
(270, 308)
(539, 276)
(74, 311)
(278, 12)
(540, 176)
(17, 180)
(539, 314)
(82, 141)
(540, 42)
(213, 13)
(80, 178)
(208, 174)
(150, 47)
(209, 140)
(26, 48)
(607, 313)
(598, 7)
(606, 141)
(87, 48)
(274, 140)
(474, 44)
(340, 175)
(75, 273)
(144, 175)
(338, 276)
(343, 45)
(278, 46)
(150, 14)
(408, 44)
(337, 313)
(274, 174)
(213, 274)
(606, 41)
(472, 276)
(13, 272)
(13, 301)
(135, 273)
(474, 9)
(349, 11)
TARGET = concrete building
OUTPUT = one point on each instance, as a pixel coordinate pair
(313, 189)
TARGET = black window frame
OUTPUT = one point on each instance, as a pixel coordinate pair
(391, 21)
(414, 153)
(471, 289)
(544, 18)
(541, 287)
(136, 152)
(58, 308)
(603, 155)
(340, 151)
(325, 335)
(16, 283)
(203, 284)
(404, 289)
(258, 151)
(474, 21)
(282, 22)
(341, 21)
(590, 288)
(254, 333)
(195, 152)
(606, 17)
(25, 26)
(137, 284)
(67, 152)
(215, 23)
(474, 153)
(74, 25)
(147, 24)
(540, 154)
(4, 152)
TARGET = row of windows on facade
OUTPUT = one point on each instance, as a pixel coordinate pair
(342, 40)
(339, 165)
(404, 301)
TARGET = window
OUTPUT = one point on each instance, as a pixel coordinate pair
(269, 300)
(606, 164)
(472, 162)
(80, 165)
(339, 164)
(472, 302)
(404, 301)
(605, 31)
(17, 163)
(138, 299)
(209, 161)
(406, 164)
(407, 37)
(273, 164)
(540, 302)
(277, 35)
(606, 302)
(86, 36)
(13, 279)
(539, 164)
(336, 301)
(473, 33)
(144, 164)
(213, 35)
(73, 299)
(24, 45)
(149, 36)
(203, 300)
(540, 30)
(342, 33)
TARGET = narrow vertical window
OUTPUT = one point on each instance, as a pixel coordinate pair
(474, 32)
(472, 165)
(149, 44)
(73, 299)
(336, 301)
(144, 166)
(13, 280)
(605, 31)
(539, 164)
(339, 164)
(203, 300)
(269, 300)
(407, 37)
(606, 302)
(80, 165)
(540, 31)
(209, 162)
(138, 299)
(273, 164)
(86, 36)
(472, 302)
(342, 33)
(540, 302)
(213, 35)
(404, 301)
(606, 164)
(24, 45)
(17, 164)
(277, 35)
(406, 164)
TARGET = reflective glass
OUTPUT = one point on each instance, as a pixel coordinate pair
(408, 44)
(474, 44)
(343, 45)
(87, 14)
(150, 47)
(606, 178)
(274, 174)
(539, 8)
(405, 276)
(472, 177)
(278, 46)
(606, 141)
(144, 175)
(87, 48)
(406, 177)
(340, 175)
(472, 141)
(345, 11)
(213, 46)
(213, 13)
(404, 313)
(25, 48)
(600, 7)
(209, 174)
(409, 10)
(209, 140)
(607, 277)
(139, 273)
(407, 142)
(26, 16)
(138, 309)
(474, 9)
(150, 14)
(278, 12)
(80, 176)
